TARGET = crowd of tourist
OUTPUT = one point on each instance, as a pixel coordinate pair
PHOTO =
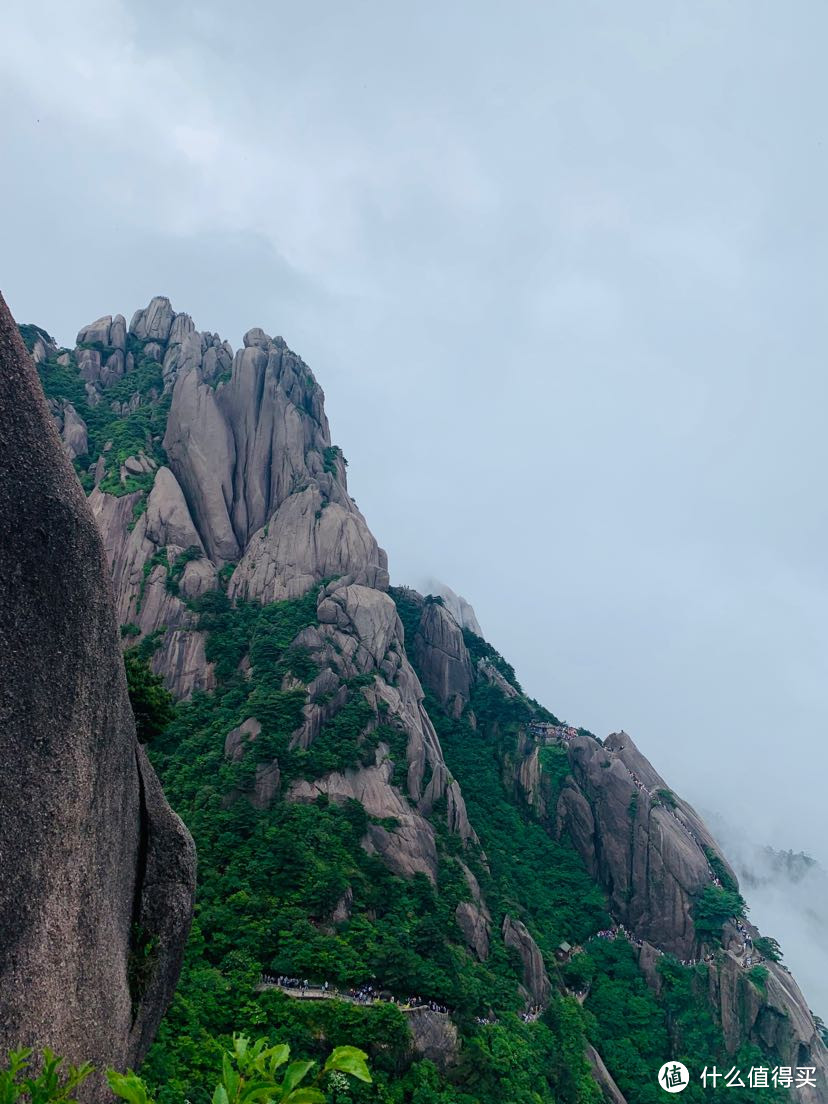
(285, 982)
(363, 994)
(619, 931)
(748, 957)
(639, 785)
(606, 933)
(553, 731)
(367, 994)
(433, 1006)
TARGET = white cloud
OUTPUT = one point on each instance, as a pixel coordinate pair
(561, 283)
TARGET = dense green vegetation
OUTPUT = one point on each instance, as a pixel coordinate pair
(273, 873)
(632, 1029)
(719, 868)
(666, 797)
(271, 878)
(714, 906)
(481, 649)
(119, 425)
(249, 1071)
(529, 875)
(766, 945)
(152, 704)
(31, 333)
(332, 454)
(176, 568)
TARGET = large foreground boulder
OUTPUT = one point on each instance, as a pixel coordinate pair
(97, 874)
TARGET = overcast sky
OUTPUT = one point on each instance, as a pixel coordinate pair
(561, 270)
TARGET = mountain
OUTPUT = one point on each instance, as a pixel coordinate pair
(376, 803)
(788, 892)
(98, 881)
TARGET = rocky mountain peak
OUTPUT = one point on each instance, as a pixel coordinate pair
(238, 488)
(242, 567)
(223, 458)
(155, 321)
(461, 610)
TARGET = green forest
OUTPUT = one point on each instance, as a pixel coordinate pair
(269, 880)
(271, 874)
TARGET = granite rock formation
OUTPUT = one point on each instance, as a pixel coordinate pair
(612, 1094)
(474, 919)
(246, 490)
(232, 484)
(641, 841)
(535, 978)
(434, 1036)
(441, 656)
(461, 610)
(654, 856)
(247, 476)
(360, 633)
(95, 865)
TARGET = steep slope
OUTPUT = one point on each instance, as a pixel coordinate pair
(218, 475)
(670, 888)
(330, 734)
(673, 898)
(98, 876)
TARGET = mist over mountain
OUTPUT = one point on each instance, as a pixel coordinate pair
(787, 892)
(387, 824)
(574, 288)
(413, 599)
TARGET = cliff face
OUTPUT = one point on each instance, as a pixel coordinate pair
(212, 475)
(654, 856)
(646, 846)
(441, 655)
(245, 479)
(359, 633)
(97, 872)
(247, 492)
